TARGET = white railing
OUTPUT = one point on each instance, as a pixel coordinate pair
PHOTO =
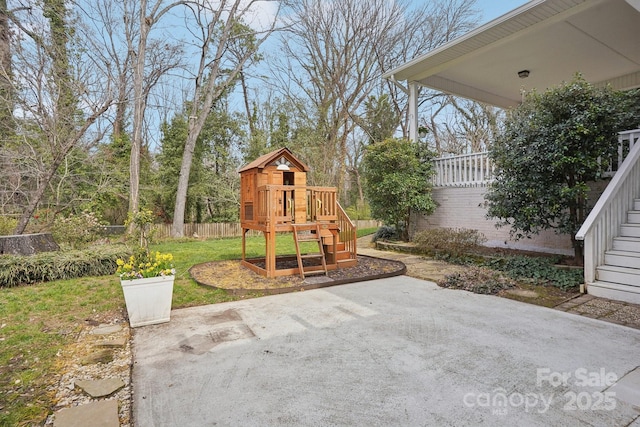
(604, 220)
(467, 170)
(626, 141)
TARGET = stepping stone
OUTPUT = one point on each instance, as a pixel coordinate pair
(522, 293)
(102, 356)
(118, 342)
(100, 388)
(103, 413)
(106, 330)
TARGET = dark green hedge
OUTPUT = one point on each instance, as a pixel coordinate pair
(47, 266)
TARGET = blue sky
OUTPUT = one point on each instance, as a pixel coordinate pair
(492, 9)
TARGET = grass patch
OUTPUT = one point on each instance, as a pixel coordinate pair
(361, 232)
(37, 322)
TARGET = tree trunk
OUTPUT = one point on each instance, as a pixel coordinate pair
(177, 229)
(578, 251)
(27, 244)
(139, 106)
(6, 96)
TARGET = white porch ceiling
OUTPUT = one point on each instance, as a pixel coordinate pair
(553, 39)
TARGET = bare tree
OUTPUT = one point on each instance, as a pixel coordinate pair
(60, 97)
(226, 45)
(6, 99)
(332, 46)
(424, 29)
(148, 16)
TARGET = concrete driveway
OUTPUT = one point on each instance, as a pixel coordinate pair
(390, 352)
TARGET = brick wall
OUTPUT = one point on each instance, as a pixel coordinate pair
(465, 208)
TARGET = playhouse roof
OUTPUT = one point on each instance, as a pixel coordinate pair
(550, 39)
(264, 161)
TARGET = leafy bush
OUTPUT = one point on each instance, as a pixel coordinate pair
(359, 211)
(478, 280)
(540, 270)
(47, 266)
(143, 229)
(397, 173)
(386, 233)
(7, 225)
(450, 241)
(76, 230)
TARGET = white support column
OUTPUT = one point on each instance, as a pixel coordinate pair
(413, 111)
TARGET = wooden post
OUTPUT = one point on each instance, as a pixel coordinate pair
(270, 255)
(244, 243)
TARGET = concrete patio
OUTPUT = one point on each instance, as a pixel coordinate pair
(397, 351)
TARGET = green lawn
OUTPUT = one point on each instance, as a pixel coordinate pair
(37, 322)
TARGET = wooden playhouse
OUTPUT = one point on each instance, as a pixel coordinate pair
(275, 199)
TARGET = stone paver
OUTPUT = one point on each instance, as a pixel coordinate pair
(102, 413)
(118, 343)
(100, 388)
(100, 356)
(106, 329)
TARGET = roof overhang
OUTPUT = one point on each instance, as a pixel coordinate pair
(267, 159)
(552, 39)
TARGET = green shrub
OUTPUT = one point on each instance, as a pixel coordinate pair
(450, 241)
(359, 211)
(478, 280)
(76, 230)
(7, 225)
(386, 232)
(47, 266)
(539, 270)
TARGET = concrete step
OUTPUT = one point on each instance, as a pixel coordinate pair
(629, 244)
(614, 291)
(636, 204)
(633, 217)
(630, 230)
(622, 259)
(622, 275)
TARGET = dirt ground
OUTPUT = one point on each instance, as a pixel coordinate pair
(238, 279)
(372, 263)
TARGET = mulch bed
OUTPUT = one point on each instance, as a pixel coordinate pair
(239, 280)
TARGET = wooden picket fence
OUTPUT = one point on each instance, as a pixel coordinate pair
(218, 230)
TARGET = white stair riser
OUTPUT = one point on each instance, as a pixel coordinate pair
(619, 277)
(622, 261)
(614, 294)
(626, 245)
(629, 231)
(636, 205)
(633, 217)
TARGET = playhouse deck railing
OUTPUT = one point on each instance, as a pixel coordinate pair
(347, 233)
(277, 203)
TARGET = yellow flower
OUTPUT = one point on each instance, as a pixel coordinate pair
(142, 265)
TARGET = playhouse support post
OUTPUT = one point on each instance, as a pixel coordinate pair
(244, 243)
(270, 255)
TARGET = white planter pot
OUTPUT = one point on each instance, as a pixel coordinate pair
(148, 300)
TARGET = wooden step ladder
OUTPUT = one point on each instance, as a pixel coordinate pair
(309, 233)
